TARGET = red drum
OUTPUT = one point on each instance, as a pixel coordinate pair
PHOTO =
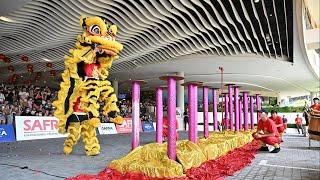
(314, 126)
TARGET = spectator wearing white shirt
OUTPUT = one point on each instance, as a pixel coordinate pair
(2, 98)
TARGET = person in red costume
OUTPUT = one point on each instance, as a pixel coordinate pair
(298, 121)
(166, 128)
(278, 121)
(267, 133)
(225, 123)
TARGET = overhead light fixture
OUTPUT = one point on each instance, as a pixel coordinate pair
(268, 38)
(256, 1)
(6, 19)
(46, 59)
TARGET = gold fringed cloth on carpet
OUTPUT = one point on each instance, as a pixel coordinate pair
(152, 160)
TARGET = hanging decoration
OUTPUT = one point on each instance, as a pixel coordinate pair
(49, 65)
(37, 77)
(7, 60)
(2, 57)
(10, 69)
(30, 68)
(15, 77)
(25, 58)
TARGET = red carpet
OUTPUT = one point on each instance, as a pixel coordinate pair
(226, 165)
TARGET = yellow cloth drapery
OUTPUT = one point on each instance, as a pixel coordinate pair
(152, 160)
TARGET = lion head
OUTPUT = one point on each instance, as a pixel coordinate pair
(98, 41)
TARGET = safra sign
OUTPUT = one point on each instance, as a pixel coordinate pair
(32, 127)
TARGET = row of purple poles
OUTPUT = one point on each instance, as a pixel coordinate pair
(229, 100)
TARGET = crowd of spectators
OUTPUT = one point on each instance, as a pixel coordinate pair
(37, 101)
(25, 101)
(147, 109)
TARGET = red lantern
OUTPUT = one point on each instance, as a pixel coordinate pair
(10, 69)
(30, 68)
(25, 58)
(49, 65)
(15, 76)
(37, 78)
(7, 60)
(2, 57)
(38, 74)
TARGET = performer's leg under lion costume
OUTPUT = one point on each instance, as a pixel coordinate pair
(84, 86)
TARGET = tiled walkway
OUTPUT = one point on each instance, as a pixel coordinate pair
(294, 161)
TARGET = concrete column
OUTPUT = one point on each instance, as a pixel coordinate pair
(180, 99)
(115, 86)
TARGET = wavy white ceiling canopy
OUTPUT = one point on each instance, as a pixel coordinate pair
(152, 31)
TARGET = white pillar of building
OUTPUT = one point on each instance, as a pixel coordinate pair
(312, 95)
(115, 86)
(180, 100)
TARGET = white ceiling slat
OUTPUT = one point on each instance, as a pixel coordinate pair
(279, 35)
(156, 31)
(269, 28)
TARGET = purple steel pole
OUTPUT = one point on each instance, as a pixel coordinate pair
(230, 88)
(240, 113)
(245, 109)
(236, 103)
(135, 114)
(251, 112)
(159, 114)
(215, 109)
(226, 108)
(171, 146)
(205, 112)
(258, 103)
(192, 112)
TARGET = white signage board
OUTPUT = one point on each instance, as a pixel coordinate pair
(35, 127)
(107, 128)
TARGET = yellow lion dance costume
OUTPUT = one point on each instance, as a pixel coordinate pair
(84, 87)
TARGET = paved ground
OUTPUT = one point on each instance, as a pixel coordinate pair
(295, 161)
(43, 159)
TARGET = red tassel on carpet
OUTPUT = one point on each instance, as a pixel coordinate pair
(225, 165)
